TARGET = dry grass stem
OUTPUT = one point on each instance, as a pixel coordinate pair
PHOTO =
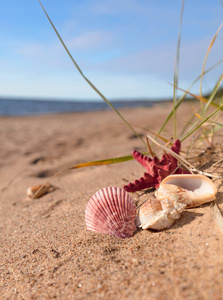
(217, 216)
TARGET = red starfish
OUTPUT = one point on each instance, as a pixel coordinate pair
(156, 169)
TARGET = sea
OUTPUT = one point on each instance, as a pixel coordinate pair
(25, 107)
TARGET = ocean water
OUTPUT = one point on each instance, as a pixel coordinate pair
(21, 107)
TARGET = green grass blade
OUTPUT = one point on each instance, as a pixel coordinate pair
(184, 95)
(205, 100)
(208, 101)
(189, 122)
(205, 120)
(206, 56)
(176, 71)
(220, 125)
(212, 95)
(86, 79)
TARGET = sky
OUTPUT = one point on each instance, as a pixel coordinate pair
(126, 48)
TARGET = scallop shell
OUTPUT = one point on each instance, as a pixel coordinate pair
(190, 189)
(111, 211)
(156, 214)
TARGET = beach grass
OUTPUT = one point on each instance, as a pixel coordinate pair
(196, 120)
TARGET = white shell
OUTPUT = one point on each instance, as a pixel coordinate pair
(38, 191)
(156, 214)
(190, 189)
(111, 211)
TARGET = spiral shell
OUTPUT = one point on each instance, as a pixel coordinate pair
(111, 211)
(158, 215)
(190, 189)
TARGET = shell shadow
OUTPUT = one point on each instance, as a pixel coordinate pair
(219, 198)
(186, 218)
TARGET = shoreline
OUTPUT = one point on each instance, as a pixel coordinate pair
(19, 107)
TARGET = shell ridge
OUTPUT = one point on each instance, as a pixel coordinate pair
(112, 216)
(127, 201)
(117, 227)
(95, 209)
(96, 213)
(106, 205)
(122, 216)
(95, 221)
(115, 216)
(117, 200)
(124, 207)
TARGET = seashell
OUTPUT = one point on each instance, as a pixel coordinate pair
(159, 215)
(111, 211)
(190, 189)
(38, 191)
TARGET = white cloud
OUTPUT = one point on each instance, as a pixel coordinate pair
(89, 40)
(31, 49)
(119, 7)
(160, 60)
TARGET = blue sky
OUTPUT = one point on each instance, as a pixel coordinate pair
(126, 48)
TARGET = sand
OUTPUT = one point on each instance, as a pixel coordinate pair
(46, 251)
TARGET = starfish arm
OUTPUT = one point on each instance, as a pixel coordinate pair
(145, 182)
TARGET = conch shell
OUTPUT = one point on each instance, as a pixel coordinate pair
(175, 193)
(190, 189)
(158, 215)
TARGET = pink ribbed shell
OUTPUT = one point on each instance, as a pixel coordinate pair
(111, 211)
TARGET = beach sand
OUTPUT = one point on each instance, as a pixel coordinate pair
(46, 251)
